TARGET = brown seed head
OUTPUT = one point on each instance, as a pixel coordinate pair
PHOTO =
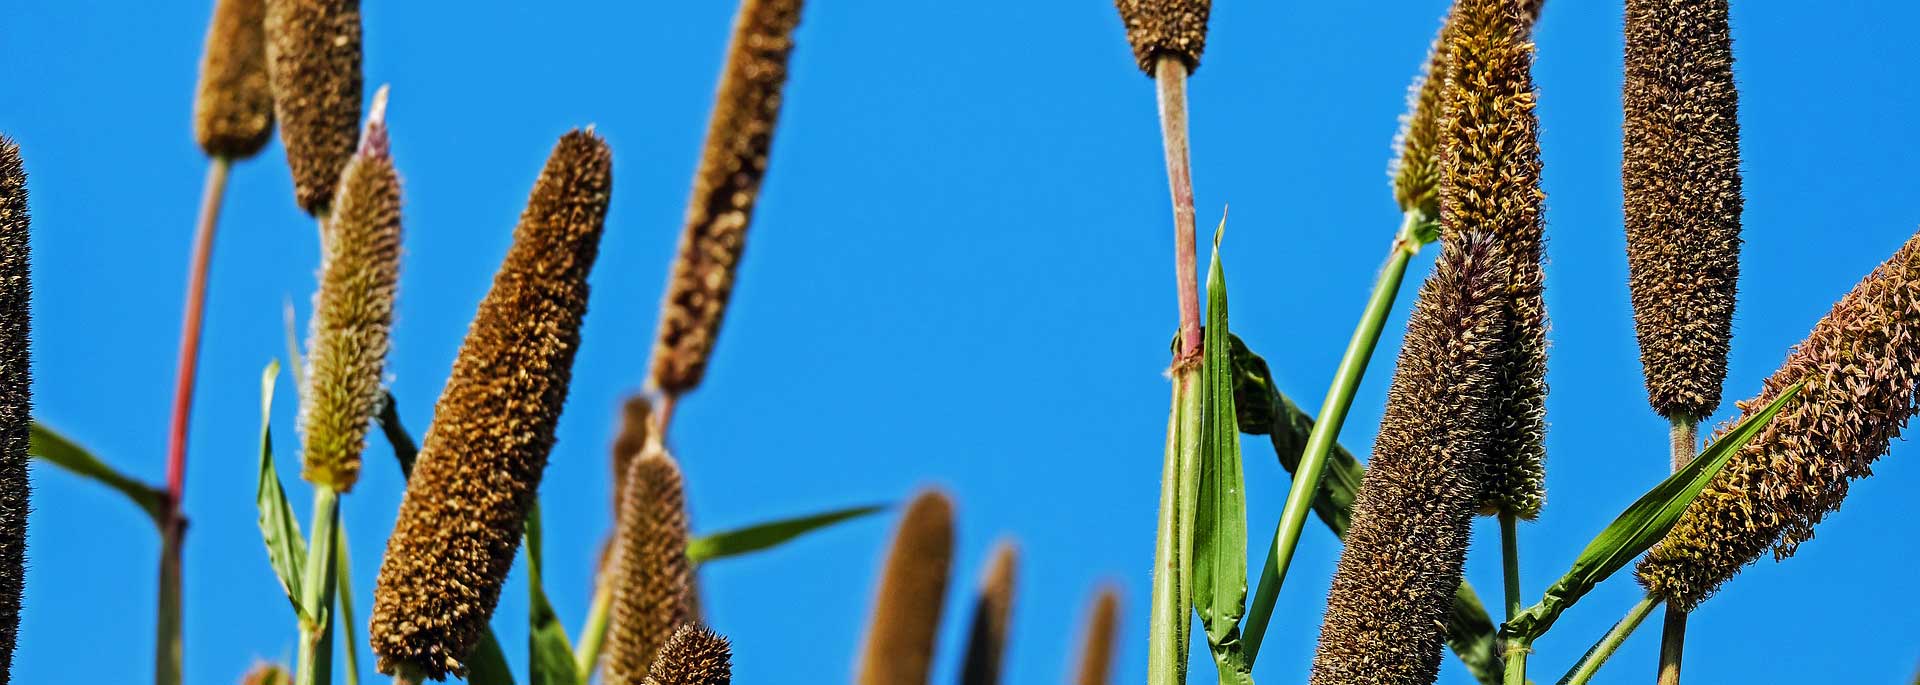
(313, 58)
(906, 612)
(636, 417)
(1861, 366)
(1166, 27)
(461, 519)
(352, 315)
(233, 108)
(265, 673)
(1096, 648)
(16, 394)
(1490, 182)
(992, 615)
(651, 572)
(734, 161)
(694, 656)
(1416, 172)
(1681, 177)
(1413, 516)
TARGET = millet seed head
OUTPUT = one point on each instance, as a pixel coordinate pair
(1166, 27)
(480, 465)
(651, 574)
(313, 61)
(1681, 177)
(636, 427)
(693, 656)
(1096, 647)
(1416, 171)
(992, 615)
(1413, 515)
(913, 588)
(267, 673)
(233, 106)
(1490, 182)
(16, 395)
(725, 188)
(1861, 366)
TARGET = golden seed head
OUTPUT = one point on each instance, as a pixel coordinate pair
(732, 164)
(1490, 182)
(1681, 178)
(913, 589)
(1416, 171)
(992, 615)
(651, 572)
(1413, 515)
(352, 315)
(694, 656)
(1166, 27)
(1096, 648)
(233, 107)
(479, 467)
(1861, 366)
(16, 394)
(313, 59)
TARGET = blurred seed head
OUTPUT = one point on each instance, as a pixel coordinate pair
(1166, 27)
(725, 188)
(906, 612)
(267, 673)
(16, 394)
(480, 465)
(694, 656)
(992, 615)
(1096, 647)
(1861, 365)
(1413, 515)
(636, 416)
(313, 60)
(233, 107)
(651, 573)
(1490, 182)
(1681, 177)
(1416, 171)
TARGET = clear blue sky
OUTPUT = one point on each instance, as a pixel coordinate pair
(959, 274)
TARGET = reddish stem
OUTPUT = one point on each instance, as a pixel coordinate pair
(1170, 77)
(190, 320)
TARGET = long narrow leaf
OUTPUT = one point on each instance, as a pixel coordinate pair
(286, 548)
(755, 538)
(343, 591)
(56, 449)
(1220, 517)
(1641, 525)
(549, 655)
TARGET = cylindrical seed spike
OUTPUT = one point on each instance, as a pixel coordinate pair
(233, 106)
(313, 61)
(913, 588)
(651, 572)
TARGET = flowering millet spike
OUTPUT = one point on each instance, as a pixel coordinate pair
(1490, 182)
(16, 395)
(1413, 515)
(233, 107)
(913, 587)
(1176, 28)
(992, 615)
(479, 467)
(1861, 366)
(313, 60)
(651, 574)
(694, 656)
(1681, 177)
(725, 188)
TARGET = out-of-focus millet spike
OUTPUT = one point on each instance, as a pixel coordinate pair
(725, 187)
(1416, 171)
(1861, 366)
(636, 417)
(913, 588)
(267, 673)
(1386, 613)
(1490, 181)
(233, 105)
(693, 656)
(313, 61)
(353, 313)
(651, 572)
(1176, 28)
(480, 465)
(992, 616)
(16, 395)
(1096, 646)
(1681, 179)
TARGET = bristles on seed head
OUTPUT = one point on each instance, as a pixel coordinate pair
(1413, 515)
(992, 614)
(1681, 177)
(1861, 366)
(1176, 28)
(1490, 181)
(313, 59)
(1096, 647)
(651, 574)
(694, 656)
(233, 106)
(725, 188)
(352, 315)
(16, 394)
(461, 519)
(913, 588)
(1416, 171)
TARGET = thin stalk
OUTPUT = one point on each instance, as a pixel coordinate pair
(315, 664)
(1516, 650)
(1595, 658)
(593, 636)
(1170, 81)
(343, 587)
(1673, 635)
(168, 640)
(1414, 229)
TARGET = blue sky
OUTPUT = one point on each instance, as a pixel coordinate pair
(959, 275)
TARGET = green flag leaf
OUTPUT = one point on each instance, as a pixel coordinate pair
(754, 538)
(1220, 517)
(56, 449)
(549, 654)
(286, 548)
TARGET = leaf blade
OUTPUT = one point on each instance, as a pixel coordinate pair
(754, 538)
(52, 447)
(1220, 520)
(279, 529)
(549, 654)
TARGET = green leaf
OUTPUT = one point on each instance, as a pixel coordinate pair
(343, 590)
(286, 549)
(56, 449)
(754, 538)
(488, 665)
(549, 654)
(1641, 525)
(1220, 517)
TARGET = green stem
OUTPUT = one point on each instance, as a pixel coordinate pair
(593, 635)
(167, 653)
(343, 587)
(315, 665)
(1516, 660)
(1516, 650)
(1326, 428)
(1171, 617)
(1596, 657)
